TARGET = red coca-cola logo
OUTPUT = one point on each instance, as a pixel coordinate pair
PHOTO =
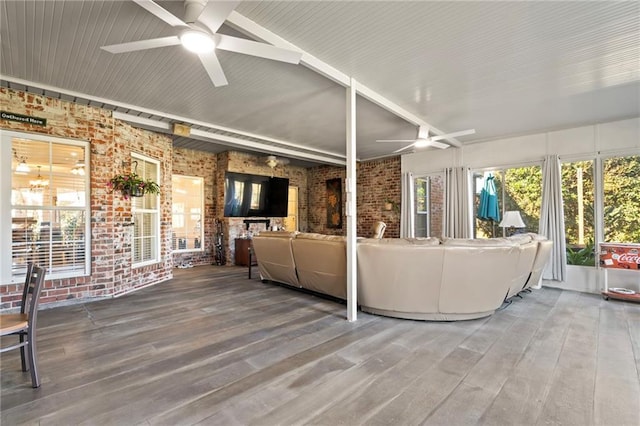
(629, 258)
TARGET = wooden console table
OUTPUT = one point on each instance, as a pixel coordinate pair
(242, 251)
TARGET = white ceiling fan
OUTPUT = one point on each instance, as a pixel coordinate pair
(424, 140)
(273, 161)
(197, 33)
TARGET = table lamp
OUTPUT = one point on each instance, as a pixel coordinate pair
(512, 220)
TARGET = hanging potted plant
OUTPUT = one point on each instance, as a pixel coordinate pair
(132, 185)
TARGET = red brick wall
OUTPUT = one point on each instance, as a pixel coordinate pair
(317, 181)
(377, 181)
(111, 144)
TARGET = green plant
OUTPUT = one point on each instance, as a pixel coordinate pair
(585, 256)
(132, 185)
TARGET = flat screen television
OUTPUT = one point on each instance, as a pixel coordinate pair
(248, 195)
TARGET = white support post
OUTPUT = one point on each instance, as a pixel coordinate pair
(350, 208)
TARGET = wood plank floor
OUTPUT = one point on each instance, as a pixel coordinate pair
(214, 348)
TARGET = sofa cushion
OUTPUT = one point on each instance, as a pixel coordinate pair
(536, 237)
(431, 241)
(314, 236)
(520, 238)
(277, 234)
(475, 242)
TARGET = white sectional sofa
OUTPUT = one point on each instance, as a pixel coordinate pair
(453, 280)
(413, 278)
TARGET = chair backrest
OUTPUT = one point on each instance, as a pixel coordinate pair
(31, 293)
(26, 288)
(378, 229)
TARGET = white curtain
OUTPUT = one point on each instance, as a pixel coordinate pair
(407, 205)
(457, 214)
(552, 218)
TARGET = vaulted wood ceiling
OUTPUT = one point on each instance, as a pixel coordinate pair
(503, 68)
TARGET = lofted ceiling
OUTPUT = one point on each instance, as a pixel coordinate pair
(503, 68)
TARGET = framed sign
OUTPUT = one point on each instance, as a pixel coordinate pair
(620, 256)
(334, 203)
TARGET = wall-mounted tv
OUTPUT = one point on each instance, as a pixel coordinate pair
(248, 195)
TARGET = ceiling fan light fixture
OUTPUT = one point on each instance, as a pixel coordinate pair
(271, 161)
(197, 41)
(22, 167)
(421, 143)
(78, 169)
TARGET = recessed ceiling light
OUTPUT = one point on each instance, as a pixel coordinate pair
(197, 41)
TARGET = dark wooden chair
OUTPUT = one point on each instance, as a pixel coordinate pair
(23, 324)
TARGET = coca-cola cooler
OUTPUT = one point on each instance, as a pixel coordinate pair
(619, 256)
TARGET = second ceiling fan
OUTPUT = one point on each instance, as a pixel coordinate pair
(197, 33)
(424, 140)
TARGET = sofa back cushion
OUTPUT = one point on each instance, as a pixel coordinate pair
(475, 242)
(321, 263)
(398, 275)
(275, 257)
(476, 279)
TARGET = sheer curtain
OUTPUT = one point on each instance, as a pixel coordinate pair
(407, 219)
(457, 214)
(552, 218)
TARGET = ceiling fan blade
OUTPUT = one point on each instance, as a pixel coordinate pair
(423, 132)
(396, 140)
(253, 48)
(438, 145)
(132, 46)
(212, 65)
(405, 148)
(215, 13)
(453, 135)
(160, 12)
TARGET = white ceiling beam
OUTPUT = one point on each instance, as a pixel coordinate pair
(252, 29)
(232, 142)
(242, 143)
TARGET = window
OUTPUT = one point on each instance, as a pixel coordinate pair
(429, 198)
(187, 218)
(518, 188)
(48, 205)
(146, 215)
(291, 221)
(578, 197)
(621, 199)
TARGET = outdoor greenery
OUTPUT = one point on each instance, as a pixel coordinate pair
(621, 215)
(522, 192)
(622, 199)
(585, 256)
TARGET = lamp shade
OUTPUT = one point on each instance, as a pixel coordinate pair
(512, 219)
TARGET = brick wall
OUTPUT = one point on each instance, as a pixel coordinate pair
(377, 181)
(436, 211)
(111, 144)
